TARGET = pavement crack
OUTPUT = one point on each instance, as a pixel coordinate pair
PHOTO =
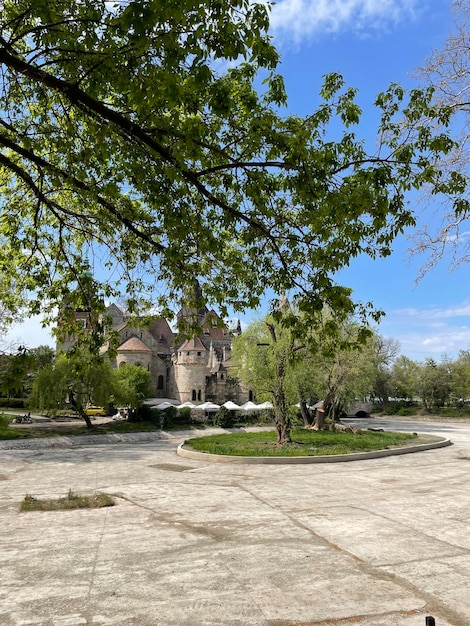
(432, 603)
(95, 558)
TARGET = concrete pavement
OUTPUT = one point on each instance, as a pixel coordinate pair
(377, 542)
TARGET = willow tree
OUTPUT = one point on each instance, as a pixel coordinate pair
(329, 361)
(264, 357)
(150, 144)
(73, 381)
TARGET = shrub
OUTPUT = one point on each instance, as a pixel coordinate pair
(168, 417)
(266, 417)
(400, 407)
(4, 421)
(13, 403)
(404, 411)
(224, 418)
(134, 415)
(145, 413)
(184, 416)
(461, 411)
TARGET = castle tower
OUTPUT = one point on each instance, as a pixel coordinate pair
(134, 352)
(190, 371)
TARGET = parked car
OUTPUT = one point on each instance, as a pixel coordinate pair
(95, 410)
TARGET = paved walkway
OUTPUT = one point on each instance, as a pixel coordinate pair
(377, 543)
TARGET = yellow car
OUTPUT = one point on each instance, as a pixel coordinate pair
(95, 410)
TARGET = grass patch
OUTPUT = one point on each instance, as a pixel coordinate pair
(78, 427)
(70, 501)
(305, 443)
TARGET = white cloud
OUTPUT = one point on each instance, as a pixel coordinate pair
(420, 316)
(430, 331)
(419, 345)
(296, 20)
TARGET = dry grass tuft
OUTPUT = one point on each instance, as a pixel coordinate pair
(71, 501)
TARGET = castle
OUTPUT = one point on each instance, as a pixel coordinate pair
(194, 370)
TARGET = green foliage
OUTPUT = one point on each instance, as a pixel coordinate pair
(147, 413)
(169, 418)
(405, 411)
(73, 381)
(224, 418)
(121, 140)
(12, 403)
(434, 383)
(405, 378)
(184, 414)
(41, 357)
(131, 385)
(461, 411)
(174, 418)
(337, 360)
(460, 376)
(13, 372)
(400, 407)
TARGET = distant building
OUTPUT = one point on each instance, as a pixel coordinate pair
(195, 370)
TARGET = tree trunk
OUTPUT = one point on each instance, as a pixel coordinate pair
(305, 413)
(85, 417)
(319, 421)
(283, 432)
(282, 420)
(77, 405)
(281, 414)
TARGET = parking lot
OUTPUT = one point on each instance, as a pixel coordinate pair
(378, 542)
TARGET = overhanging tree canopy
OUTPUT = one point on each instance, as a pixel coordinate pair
(146, 137)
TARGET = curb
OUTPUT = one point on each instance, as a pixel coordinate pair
(291, 460)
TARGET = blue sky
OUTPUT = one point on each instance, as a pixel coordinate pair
(372, 43)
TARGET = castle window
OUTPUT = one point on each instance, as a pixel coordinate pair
(160, 382)
(193, 397)
(199, 395)
(221, 377)
(199, 354)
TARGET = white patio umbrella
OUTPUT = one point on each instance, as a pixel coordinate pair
(154, 402)
(186, 404)
(231, 406)
(162, 406)
(264, 406)
(249, 406)
(207, 406)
